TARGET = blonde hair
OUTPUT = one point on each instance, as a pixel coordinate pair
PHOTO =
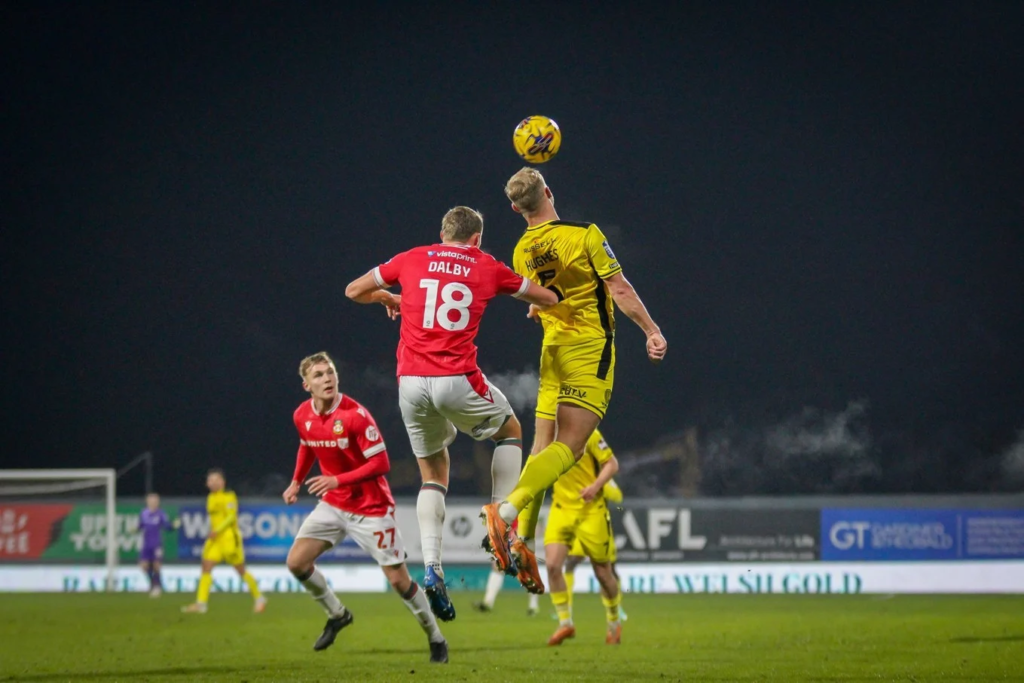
(526, 190)
(310, 361)
(461, 223)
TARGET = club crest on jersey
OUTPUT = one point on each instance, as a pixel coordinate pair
(339, 428)
(309, 423)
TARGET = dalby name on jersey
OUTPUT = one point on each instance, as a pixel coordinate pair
(449, 268)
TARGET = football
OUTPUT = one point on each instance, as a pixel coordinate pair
(537, 139)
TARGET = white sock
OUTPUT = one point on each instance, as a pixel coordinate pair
(316, 584)
(430, 513)
(505, 468)
(420, 608)
(534, 602)
(507, 511)
(494, 582)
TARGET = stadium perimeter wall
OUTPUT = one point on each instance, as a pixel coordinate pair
(871, 544)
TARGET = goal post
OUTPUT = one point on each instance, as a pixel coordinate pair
(29, 484)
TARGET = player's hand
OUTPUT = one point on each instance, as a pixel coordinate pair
(590, 492)
(657, 346)
(393, 304)
(291, 494)
(318, 486)
(534, 313)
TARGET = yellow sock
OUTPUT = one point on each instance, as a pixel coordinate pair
(611, 607)
(570, 579)
(254, 587)
(203, 594)
(561, 602)
(529, 516)
(541, 471)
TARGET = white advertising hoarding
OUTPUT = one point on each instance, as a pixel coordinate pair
(735, 577)
(352, 578)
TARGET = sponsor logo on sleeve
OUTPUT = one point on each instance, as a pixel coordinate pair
(608, 250)
(372, 434)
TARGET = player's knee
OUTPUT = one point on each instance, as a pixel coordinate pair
(400, 583)
(300, 568)
(510, 430)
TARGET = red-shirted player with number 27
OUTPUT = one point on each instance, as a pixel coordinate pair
(445, 289)
(355, 500)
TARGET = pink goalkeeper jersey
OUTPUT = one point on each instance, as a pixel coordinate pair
(445, 289)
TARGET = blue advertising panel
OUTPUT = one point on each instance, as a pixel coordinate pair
(909, 534)
(267, 533)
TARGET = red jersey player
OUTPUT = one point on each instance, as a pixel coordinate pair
(355, 500)
(445, 289)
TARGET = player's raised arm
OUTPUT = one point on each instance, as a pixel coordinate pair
(625, 297)
(366, 289)
(629, 302)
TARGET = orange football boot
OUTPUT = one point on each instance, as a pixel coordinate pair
(497, 535)
(614, 636)
(529, 574)
(562, 633)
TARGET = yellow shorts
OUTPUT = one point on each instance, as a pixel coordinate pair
(581, 374)
(226, 548)
(591, 529)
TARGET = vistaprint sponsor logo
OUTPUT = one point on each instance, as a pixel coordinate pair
(452, 254)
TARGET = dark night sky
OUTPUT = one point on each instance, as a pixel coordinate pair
(819, 202)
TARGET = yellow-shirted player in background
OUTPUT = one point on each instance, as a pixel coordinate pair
(612, 494)
(579, 515)
(223, 544)
(577, 365)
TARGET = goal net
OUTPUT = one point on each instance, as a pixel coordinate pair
(53, 517)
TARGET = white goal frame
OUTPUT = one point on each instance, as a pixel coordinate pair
(86, 479)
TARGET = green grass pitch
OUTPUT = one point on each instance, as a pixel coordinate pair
(96, 637)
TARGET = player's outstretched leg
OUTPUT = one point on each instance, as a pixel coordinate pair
(430, 513)
(338, 616)
(416, 602)
(304, 552)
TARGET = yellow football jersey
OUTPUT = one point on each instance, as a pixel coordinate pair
(566, 490)
(222, 508)
(573, 259)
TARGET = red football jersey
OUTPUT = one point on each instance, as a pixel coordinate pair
(445, 289)
(341, 440)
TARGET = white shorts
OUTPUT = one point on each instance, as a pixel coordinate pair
(433, 408)
(378, 536)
